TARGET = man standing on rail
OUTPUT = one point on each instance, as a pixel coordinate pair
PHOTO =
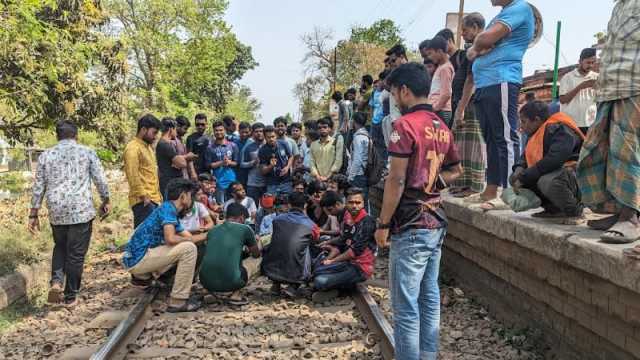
(423, 157)
(141, 169)
(161, 242)
(64, 175)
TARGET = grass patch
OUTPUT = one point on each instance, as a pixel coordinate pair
(14, 313)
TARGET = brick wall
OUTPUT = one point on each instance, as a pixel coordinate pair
(558, 287)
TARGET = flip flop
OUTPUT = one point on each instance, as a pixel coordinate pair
(548, 215)
(633, 253)
(475, 199)
(493, 205)
(621, 233)
(464, 194)
(603, 224)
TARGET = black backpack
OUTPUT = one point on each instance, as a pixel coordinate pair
(374, 170)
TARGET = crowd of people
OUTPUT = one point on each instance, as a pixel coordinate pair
(316, 201)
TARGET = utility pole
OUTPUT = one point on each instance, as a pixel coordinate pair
(459, 32)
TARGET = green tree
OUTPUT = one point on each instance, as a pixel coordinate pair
(182, 52)
(55, 64)
(243, 105)
(384, 33)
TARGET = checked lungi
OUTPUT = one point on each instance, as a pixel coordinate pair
(609, 166)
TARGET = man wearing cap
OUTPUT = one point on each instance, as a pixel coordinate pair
(577, 95)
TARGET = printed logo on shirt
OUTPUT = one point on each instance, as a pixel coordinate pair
(395, 137)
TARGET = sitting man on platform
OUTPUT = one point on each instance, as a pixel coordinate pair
(287, 259)
(161, 242)
(223, 268)
(549, 162)
(352, 260)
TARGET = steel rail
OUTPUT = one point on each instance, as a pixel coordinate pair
(115, 348)
(375, 320)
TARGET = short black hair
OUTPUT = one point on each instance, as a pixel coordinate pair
(217, 124)
(280, 120)
(148, 121)
(413, 76)
(282, 199)
(182, 121)
(178, 186)
(397, 50)
(296, 125)
(383, 75)
(330, 198)
(438, 43)
(447, 34)
(244, 125)
(326, 121)
(341, 180)
(367, 79)
(257, 126)
(235, 210)
(316, 186)
(228, 120)
(297, 200)
(354, 191)
(424, 44)
(167, 124)
(475, 19)
(313, 134)
(587, 53)
(205, 177)
(269, 129)
(352, 91)
(360, 118)
(310, 124)
(65, 129)
(535, 109)
(336, 96)
(200, 116)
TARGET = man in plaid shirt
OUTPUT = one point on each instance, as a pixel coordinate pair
(609, 165)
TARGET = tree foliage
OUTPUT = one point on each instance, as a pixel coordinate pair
(384, 33)
(55, 64)
(182, 52)
(243, 105)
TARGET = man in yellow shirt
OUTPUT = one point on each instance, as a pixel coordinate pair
(326, 152)
(141, 169)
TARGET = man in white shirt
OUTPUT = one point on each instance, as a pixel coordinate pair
(577, 95)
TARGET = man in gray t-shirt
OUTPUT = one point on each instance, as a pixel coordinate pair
(256, 183)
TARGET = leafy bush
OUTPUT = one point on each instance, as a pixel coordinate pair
(14, 182)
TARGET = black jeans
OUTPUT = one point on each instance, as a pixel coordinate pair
(344, 276)
(71, 245)
(141, 212)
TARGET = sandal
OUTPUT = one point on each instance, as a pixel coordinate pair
(495, 204)
(548, 215)
(190, 305)
(621, 233)
(237, 301)
(603, 224)
(464, 194)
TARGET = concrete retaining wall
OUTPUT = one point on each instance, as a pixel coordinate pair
(582, 294)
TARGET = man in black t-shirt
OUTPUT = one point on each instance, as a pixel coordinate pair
(170, 164)
(276, 160)
(198, 142)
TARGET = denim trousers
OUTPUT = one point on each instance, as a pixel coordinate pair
(344, 276)
(415, 295)
(282, 188)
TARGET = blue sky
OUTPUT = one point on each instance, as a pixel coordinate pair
(273, 29)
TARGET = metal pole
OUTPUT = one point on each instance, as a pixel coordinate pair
(555, 67)
(459, 31)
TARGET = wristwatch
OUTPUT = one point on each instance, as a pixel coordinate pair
(381, 226)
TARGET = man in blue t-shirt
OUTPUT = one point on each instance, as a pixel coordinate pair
(276, 160)
(222, 158)
(497, 53)
(160, 242)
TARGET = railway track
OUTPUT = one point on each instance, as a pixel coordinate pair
(268, 328)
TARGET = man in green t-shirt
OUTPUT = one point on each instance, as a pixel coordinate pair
(222, 269)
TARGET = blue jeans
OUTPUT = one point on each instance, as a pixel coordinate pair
(345, 276)
(415, 295)
(283, 188)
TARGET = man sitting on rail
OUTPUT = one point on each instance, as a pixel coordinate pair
(353, 262)
(548, 166)
(222, 269)
(287, 259)
(161, 242)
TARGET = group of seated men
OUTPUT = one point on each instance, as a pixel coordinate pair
(333, 251)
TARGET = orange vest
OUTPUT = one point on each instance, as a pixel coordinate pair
(535, 147)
